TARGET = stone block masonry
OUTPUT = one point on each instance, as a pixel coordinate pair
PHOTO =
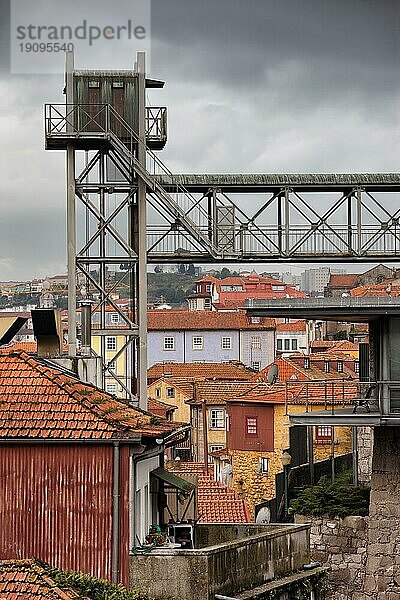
(382, 580)
(340, 544)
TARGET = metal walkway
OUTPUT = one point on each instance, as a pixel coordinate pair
(238, 217)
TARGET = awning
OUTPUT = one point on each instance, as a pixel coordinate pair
(173, 480)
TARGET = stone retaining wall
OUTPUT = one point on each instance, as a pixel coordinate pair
(340, 544)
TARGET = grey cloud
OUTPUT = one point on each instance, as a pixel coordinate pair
(256, 85)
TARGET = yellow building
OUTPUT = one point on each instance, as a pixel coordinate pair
(176, 392)
(118, 362)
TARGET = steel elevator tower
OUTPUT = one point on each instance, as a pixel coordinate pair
(106, 117)
(125, 208)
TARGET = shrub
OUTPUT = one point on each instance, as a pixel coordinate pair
(91, 587)
(333, 499)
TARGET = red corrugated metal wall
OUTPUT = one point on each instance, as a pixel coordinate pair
(124, 516)
(56, 505)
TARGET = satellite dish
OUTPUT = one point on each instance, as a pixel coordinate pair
(263, 515)
(272, 375)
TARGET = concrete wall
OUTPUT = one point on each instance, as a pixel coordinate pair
(223, 569)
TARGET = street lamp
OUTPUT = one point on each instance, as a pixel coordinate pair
(286, 461)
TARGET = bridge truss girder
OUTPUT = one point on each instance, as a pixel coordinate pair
(322, 218)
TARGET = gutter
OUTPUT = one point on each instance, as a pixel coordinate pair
(69, 441)
(186, 430)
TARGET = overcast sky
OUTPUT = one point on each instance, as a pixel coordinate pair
(251, 86)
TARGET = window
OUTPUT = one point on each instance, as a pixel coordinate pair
(256, 365)
(208, 287)
(251, 425)
(226, 343)
(114, 318)
(278, 288)
(256, 343)
(326, 366)
(111, 388)
(255, 320)
(306, 363)
(294, 343)
(217, 418)
(207, 303)
(215, 448)
(158, 392)
(111, 343)
(194, 303)
(340, 366)
(197, 342)
(323, 432)
(279, 344)
(112, 365)
(287, 344)
(263, 465)
(169, 343)
(356, 366)
(170, 392)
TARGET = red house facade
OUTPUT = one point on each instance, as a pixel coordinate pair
(251, 426)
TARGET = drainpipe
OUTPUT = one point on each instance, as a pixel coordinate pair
(115, 517)
(205, 436)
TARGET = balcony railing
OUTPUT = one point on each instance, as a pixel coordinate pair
(86, 119)
(338, 394)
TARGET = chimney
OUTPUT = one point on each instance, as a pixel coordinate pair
(48, 332)
(86, 327)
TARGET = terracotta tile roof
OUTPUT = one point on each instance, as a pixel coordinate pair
(382, 289)
(290, 368)
(343, 280)
(26, 346)
(217, 392)
(162, 320)
(229, 370)
(344, 345)
(322, 344)
(295, 326)
(215, 502)
(160, 409)
(41, 401)
(301, 393)
(28, 579)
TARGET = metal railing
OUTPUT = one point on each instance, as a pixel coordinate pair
(97, 118)
(338, 394)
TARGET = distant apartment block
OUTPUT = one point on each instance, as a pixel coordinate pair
(315, 280)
